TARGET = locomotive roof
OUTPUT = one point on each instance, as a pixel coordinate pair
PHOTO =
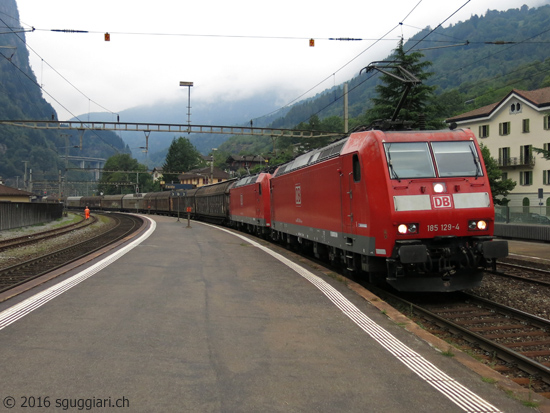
(314, 156)
(246, 180)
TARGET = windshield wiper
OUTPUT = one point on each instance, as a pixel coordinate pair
(390, 164)
(476, 161)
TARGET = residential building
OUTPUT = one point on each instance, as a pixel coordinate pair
(203, 176)
(236, 162)
(157, 174)
(9, 194)
(511, 128)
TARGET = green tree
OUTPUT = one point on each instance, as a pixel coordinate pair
(499, 187)
(122, 172)
(181, 157)
(420, 98)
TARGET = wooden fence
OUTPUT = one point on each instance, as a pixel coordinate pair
(21, 214)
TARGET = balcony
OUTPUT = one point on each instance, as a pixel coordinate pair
(517, 162)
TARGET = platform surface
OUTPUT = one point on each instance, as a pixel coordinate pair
(200, 320)
(535, 251)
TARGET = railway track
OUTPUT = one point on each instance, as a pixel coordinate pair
(23, 272)
(45, 235)
(512, 342)
(524, 271)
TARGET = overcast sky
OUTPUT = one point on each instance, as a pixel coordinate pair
(229, 49)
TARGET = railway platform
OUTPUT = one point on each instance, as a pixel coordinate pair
(530, 251)
(202, 319)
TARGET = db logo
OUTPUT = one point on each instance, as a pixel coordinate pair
(442, 201)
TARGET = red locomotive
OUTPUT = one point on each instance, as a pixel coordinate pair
(413, 208)
(249, 204)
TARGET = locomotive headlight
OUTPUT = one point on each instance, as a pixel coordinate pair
(480, 225)
(407, 229)
(439, 188)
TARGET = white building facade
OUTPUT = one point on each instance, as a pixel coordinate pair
(510, 129)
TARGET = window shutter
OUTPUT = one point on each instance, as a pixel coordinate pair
(521, 160)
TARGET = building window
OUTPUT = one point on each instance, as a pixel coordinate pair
(526, 155)
(546, 177)
(504, 157)
(525, 126)
(546, 122)
(504, 176)
(515, 108)
(526, 178)
(504, 128)
(484, 131)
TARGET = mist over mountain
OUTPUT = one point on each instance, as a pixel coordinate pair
(220, 113)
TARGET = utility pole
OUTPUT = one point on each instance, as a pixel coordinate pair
(346, 115)
(188, 85)
(25, 176)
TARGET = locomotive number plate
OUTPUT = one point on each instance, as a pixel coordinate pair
(443, 227)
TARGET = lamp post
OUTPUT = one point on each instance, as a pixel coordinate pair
(188, 85)
(212, 165)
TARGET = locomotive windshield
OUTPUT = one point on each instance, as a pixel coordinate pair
(457, 159)
(414, 160)
(409, 160)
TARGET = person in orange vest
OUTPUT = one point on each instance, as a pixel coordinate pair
(87, 212)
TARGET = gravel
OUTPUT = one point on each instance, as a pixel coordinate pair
(524, 296)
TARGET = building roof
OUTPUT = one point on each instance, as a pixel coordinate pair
(204, 173)
(245, 158)
(9, 191)
(539, 98)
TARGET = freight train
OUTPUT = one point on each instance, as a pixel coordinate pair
(412, 209)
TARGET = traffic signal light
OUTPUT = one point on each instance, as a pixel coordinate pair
(107, 37)
(311, 42)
